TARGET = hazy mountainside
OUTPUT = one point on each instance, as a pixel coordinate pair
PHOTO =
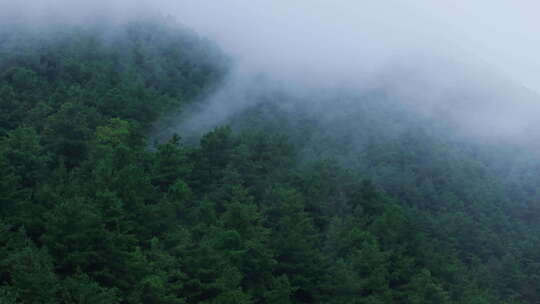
(158, 65)
(344, 198)
(475, 194)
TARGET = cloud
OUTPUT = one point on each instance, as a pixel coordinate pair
(453, 60)
(314, 36)
(468, 60)
(344, 35)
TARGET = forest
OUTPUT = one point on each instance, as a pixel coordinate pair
(279, 204)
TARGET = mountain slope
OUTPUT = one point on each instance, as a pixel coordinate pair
(371, 203)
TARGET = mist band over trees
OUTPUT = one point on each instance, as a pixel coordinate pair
(269, 152)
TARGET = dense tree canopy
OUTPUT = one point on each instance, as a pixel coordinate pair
(264, 211)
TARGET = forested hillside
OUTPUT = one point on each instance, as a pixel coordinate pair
(477, 197)
(283, 205)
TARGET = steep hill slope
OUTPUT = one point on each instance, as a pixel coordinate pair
(371, 203)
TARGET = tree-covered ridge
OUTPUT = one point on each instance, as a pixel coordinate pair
(206, 225)
(476, 197)
(74, 79)
(90, 215)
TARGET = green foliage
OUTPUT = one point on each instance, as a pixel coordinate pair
(386, 212)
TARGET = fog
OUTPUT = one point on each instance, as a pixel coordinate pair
(341, 36)
(474, 62)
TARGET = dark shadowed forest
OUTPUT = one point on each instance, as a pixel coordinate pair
(354, 198)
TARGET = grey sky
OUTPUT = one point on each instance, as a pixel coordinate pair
(504, 33)
(501, 33)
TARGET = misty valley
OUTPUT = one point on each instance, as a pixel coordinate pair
(138, 167)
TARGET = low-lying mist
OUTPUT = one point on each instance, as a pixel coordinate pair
(440, 61)
(311, 51)
(313, 136)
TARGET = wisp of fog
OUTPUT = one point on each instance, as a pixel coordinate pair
(448, 59)
(474, 62)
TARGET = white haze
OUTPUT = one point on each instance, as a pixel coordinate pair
(345, 34)
(469, 60)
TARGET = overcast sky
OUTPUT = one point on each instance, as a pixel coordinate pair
(339, 36)
(504, 34)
